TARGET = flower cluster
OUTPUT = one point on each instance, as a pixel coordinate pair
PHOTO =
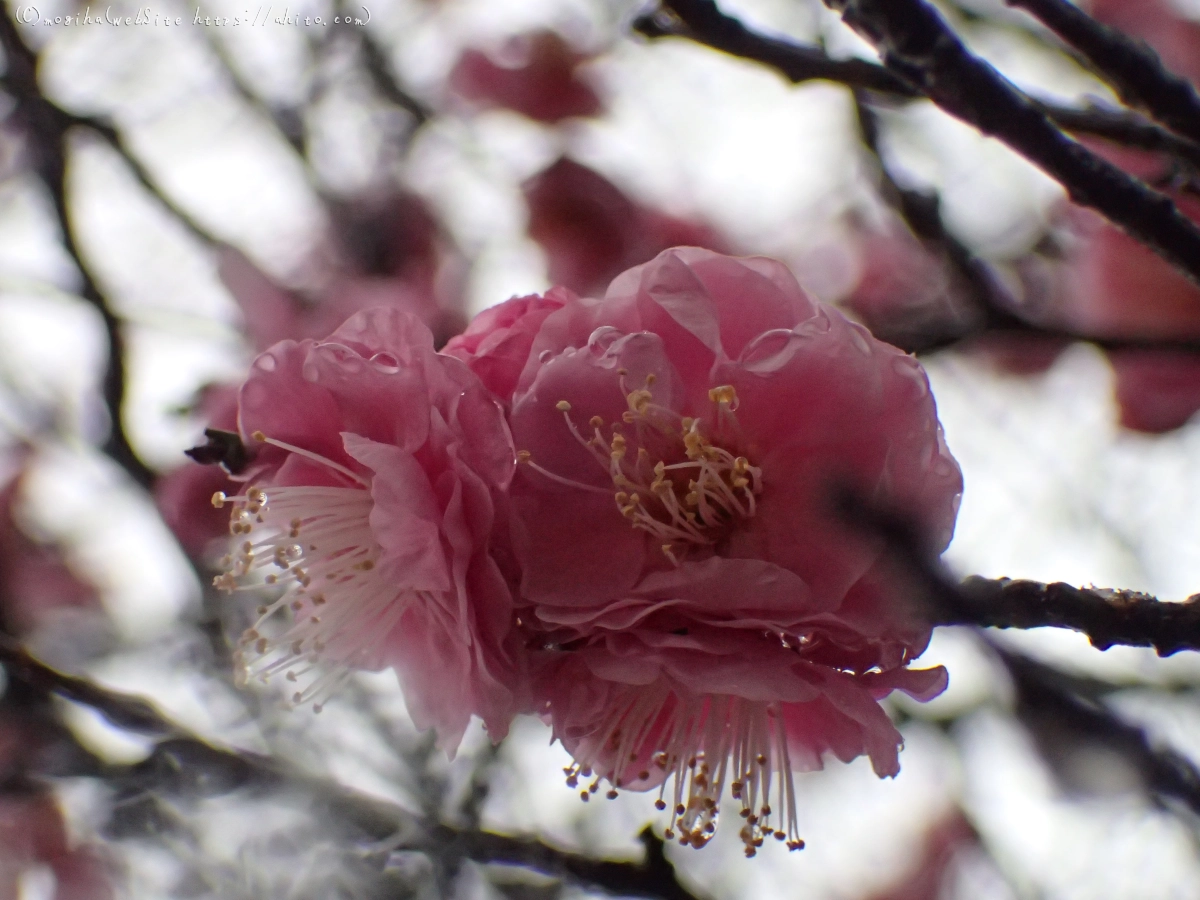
(617, 514)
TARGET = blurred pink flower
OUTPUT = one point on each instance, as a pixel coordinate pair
(946, 842)
(33, 833)
(387, 251)
(591, 231)
(535, 74)
(1115, 287)
(371, 499)
(35, 581)
(1157, 390)
(700, 611)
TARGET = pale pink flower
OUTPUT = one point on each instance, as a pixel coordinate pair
(701, 612)
(371, 502)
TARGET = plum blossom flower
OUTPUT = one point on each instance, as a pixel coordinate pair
(698, 615)
(370, 505)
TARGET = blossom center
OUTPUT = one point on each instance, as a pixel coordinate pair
(672, 476)
(314, 542)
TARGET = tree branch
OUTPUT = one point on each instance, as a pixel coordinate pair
(1129, 65)
(182, 763)
(702, 22)
(1041, 693)
(46, 128)
(1106, 616)
(915, 42)
(926, 56)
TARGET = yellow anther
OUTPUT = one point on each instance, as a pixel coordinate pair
(562, 406)
(724, 393)
(259, 436)
(596, 422)
(524, 456)
(639, 400)
(218, 499)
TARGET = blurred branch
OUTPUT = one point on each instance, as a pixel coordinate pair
(921, 212)
(1129, 65)
(182, 763)
(46, 128)
(1041, 691)
(117, 142)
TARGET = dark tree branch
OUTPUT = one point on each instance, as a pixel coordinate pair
(46, 128)
(1107, 617)
(915, 42)
(1042, 693)
(1129, 65)
(922, 52)
(183, 764)
(702, 22)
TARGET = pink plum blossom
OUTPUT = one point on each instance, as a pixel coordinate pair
(380, 470)
(697, 611)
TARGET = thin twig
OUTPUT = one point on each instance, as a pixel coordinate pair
(1129, 65)
(46, 128)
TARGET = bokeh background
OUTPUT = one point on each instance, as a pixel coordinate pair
(219, 187)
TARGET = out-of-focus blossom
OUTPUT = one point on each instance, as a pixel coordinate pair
(928, 880)
(1157, 390)
(1115, 287)
(371, 502)
(535, 74)
(387, 251)
(591, 231)
(704, 616)
(1175, 38)
(35, 582)
(904, 292)
(33, 834)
